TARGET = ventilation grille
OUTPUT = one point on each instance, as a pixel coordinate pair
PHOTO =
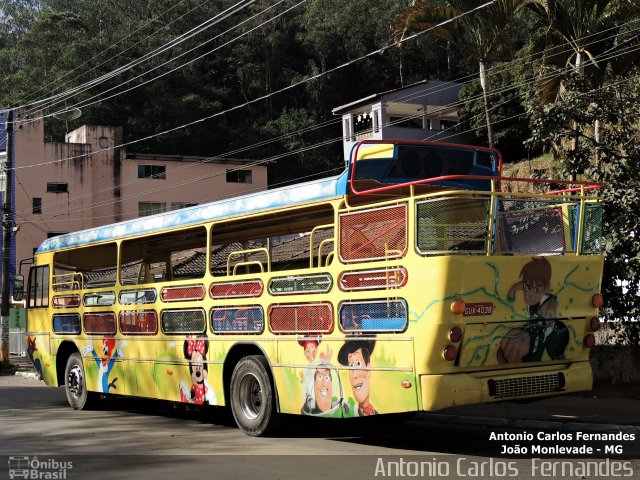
(525, 386)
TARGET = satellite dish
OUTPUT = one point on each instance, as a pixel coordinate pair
(68, 115)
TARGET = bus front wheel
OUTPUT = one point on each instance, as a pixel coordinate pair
(252, 396)
(75, 385)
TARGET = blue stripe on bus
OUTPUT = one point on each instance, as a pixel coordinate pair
(280, 197)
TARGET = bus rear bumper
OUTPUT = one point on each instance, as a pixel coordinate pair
(442, 391)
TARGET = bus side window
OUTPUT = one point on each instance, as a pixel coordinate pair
(38, 287)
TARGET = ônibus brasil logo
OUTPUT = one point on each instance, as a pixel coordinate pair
(33, 468)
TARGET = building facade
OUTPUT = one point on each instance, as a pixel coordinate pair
(90, 180)
(426, 110)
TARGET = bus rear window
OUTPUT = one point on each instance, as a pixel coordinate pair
(412, 163)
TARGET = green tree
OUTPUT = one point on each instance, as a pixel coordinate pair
(617, 103)
(478, 33)
(592, 34)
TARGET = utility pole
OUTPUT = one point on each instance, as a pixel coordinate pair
(7, 230)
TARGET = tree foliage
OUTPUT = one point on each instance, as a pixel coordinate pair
(617, 105)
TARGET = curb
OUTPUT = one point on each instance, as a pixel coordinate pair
(527, 424)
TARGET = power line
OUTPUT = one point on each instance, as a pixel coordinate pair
(66, 74)
(87, 102)
(457, 103)
(167, 46)
(317, 145)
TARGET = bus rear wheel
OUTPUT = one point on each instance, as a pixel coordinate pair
(75, 385)
(252, 396)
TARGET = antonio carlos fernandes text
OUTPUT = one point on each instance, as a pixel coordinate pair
(540, 468)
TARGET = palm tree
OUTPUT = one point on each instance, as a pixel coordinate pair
(479, 32)
(593, 31)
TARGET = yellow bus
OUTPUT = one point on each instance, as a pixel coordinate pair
(418, 279)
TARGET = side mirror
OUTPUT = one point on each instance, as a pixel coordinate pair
(18, 287)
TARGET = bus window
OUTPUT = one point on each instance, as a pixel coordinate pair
(39, 287)
(280, 241)
(88, 267)
(170, 256)
(413, 163)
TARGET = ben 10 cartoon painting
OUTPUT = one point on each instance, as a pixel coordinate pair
(543, 331)
(322, 386)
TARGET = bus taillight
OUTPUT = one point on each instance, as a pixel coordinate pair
(458, 306)
(455, 334)
(594, 324)
(597, 300)
(590, 341)
(449, 353)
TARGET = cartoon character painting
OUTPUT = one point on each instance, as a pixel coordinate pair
(310, 346)
(326, 399)
(543, 332)
(105, 362)
(200, 393)
(356, 354)
(31, 349)
(536, 283)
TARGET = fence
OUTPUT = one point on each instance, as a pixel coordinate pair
(17, 342)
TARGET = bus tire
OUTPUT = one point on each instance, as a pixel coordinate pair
(75, 384)
(252, 396)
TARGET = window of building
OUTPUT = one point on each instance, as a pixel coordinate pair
(406, 122)
(54, 187)
(448, 125)
(179, 205)
(151, 208)
(158, 172)
(239, 176)
(37, 205)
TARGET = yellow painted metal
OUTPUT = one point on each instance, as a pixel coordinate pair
(375, 150)
(68, 281)
(311, 241)
(492, 210)
(246, 252)
(580, 221)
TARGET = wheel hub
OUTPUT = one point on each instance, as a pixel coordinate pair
(250, 396)
(75, 381)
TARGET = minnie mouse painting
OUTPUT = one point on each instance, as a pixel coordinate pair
(200, 393)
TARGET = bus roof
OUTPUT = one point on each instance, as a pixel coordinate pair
(325, 188)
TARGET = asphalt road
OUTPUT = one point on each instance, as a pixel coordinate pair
(135, 438)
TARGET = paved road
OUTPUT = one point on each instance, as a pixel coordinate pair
(133, 438)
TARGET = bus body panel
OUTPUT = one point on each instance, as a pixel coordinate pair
(450, 390)
(355, 376)
(491, 319)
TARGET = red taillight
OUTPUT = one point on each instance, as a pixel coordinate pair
(458, 306)
(597, 300)
(450, 353)
(595, 324)
(455, 334)
(406, 384)
(590, 341)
